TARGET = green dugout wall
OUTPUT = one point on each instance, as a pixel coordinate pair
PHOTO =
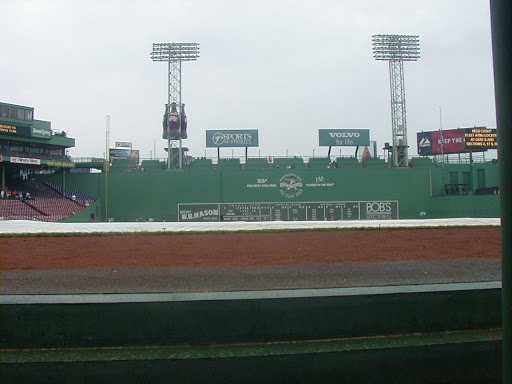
(419, 192)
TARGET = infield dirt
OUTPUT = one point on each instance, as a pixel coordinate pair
(248, 249)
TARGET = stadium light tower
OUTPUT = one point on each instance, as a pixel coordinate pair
(174, 54)
(396, 49)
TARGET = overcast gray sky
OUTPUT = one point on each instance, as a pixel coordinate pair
(284, 67)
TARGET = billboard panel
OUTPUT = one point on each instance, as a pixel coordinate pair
(232, 138)
(343, 137)
(443, 142)
(17, 130)
(480, 138)
(124, 154)
(25, 160)
(294, 211)
(25, 131)
(123, 144)
(41, 132)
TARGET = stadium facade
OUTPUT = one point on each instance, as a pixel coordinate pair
(251, 189)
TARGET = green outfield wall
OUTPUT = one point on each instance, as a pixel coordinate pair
(439, 191)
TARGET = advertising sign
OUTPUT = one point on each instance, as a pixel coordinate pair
(198, 212)
(378, 210)
(41, 133)
(61, 164)
(25, 160)
(123, 144)
(480, 138)
(20, 130)
(232, 138)
(15, 130)
(443, 142)
(344, 137)
(124, 154)
(293, 211)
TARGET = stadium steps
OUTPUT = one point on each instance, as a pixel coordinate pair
(440, 333)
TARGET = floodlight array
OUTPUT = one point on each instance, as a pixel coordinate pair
(396, 47)
(175, 51)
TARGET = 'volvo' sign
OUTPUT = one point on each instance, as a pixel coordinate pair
(232, 138)
(344, 137)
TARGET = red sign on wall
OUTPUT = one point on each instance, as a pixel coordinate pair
(444, 142)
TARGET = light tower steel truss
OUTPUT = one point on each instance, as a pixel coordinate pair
(396, 49)
(174, 54)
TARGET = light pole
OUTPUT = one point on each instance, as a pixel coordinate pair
(396, 49)
(174, 54)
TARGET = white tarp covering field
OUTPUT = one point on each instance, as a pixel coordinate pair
(26, 226)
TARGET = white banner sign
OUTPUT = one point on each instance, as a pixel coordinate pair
(123, 144)
(25, 160)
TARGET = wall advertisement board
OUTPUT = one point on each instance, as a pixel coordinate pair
(460, 140)
(124, 154)
(25, 131)
(480, 138)
(330, 137)
(296, 211)
(232, 138)
(17, 130)
(25, 160)
(123, 144)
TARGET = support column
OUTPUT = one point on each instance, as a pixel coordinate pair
(501, 28)
(3, 177)
(63, 183)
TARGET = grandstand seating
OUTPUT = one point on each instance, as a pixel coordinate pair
(18, 210)
(55, 209)
(45, 203)
(37, 189)
(69, 193)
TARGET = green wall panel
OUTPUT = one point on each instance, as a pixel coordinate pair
(142, 196)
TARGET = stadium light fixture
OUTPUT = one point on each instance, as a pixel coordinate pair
(174, 54)
(396, 49)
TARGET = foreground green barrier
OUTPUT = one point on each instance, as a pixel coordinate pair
(444, 333)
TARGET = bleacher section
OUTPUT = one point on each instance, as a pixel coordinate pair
(152, 165)
(55, 209)
(40, 190)
(79, 197)
(348, 163)
(419, 162)
(18, 210)
(288, 162)
(228, 164)
(256, 163)
(44, 204)
(200, 164)
(319, 162)
(122, 165)
(374, 162)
